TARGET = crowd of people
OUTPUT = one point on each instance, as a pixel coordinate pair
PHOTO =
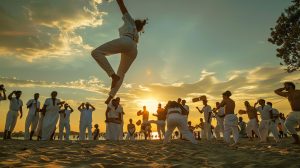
(263, 119)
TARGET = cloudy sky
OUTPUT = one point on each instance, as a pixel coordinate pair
(189, 48)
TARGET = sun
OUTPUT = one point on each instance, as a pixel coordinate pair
(150, 103)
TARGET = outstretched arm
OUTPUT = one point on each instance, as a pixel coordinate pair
(4, 94)
(122, 6)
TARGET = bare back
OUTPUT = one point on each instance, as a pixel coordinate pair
(229, 106)
(252, 113)
(294, 99)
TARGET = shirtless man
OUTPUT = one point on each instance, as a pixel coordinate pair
(130, 130)
(230, 120)
(161, 118)
(289, 91)
(252, 124)
(145, 127)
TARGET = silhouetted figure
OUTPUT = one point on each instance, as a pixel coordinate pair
(130, 131)
(32, 118)
(113, 120)
(64, 122)
(86, 118)
(207, 118)
(96, 132)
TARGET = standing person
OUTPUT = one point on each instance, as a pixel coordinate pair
(146, 126)
(130, 131)
(122, 118)
(126, 45)
(265, 125)
(242, 126)
(207, 118)
(230, 120)
(96, 132)
(220, 114)
(274, 120)
(86, 119)
(2, 97)
(176, 119)
(281, 122)
(12, 115)
(202, 130)
(289, 91)
(64, 121)
(113, 120)
(32, 118)
(252, 124)
(161, 121)
(51, 114)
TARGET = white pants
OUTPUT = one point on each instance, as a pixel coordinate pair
(207, 130)
(62, 126)
(31, 120)
(49, 124)
(264, 128)
(112, 131)
(121, 131)
(219, 128)
(128, 49)
(252, 125)
(292, 121)
(130, 136)
(161, 127)
(11, 120)
(177, 120)
(40, 125)
(82, 128)
(231, 125)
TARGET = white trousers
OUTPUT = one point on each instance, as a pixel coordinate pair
(49, 124)
(121, 131)
(161, 127)
(62, 126)
(31, 120)
(292, 121)
(264, 128)
(82, 129)
(128, 49)
(177, 120)
(231, 126)
(11, 120)
(219, 128)
(252, 125)
(40, 125)
(112, 131)
(207, 131)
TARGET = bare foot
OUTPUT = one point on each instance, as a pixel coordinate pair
(108, 100)
(115, 78)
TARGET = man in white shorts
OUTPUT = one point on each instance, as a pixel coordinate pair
(86, 119)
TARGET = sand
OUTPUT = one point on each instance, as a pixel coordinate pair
(18, 153)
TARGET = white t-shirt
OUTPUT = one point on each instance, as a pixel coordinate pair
(35, 105)
(114, 112)
(206, 110)
(86, 115)
(129, 28)
(63, 118)
(264, 112)
(50, 106)
(187, 108)
(15, 104)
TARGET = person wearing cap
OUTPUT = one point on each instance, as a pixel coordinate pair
(207, 117)
(32, 117)
(64, 121)
(15, 106)
(86, 119)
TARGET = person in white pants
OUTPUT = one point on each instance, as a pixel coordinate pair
(51, 114)
(113, 121)
(207, 118)
(187, 108)
(252, 124)
(230, 120)
(12, 115)
(161, 121)
(220, 114)
(293, 119)
(265, 125)
(64, 121)
(122, 118)
(86, 119)
(176, 119)
(126, 45)
(130, 131)
(32, 118)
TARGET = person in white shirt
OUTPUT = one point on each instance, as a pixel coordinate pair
(64, 121)
(86, 119)
(122, 118)
(2, 97)
(32, 118)
(51, 114)
(207, 118)
(130, 131)
(175, 119)
(126, 45)
(274, 120)
(113, 120)
(266, 116)
(161, 121)
(11, 118)
(220, 114)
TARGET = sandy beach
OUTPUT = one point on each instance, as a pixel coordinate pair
(16, 153)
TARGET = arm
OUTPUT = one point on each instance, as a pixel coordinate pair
(61, 103)
(242, 112)
(10, 95)
(200, 111)
(122, 6)
(93, 107)
(281, 93)
(80, 107)
(255, 104)
(21, 112)
(71, 109)
(4, 94)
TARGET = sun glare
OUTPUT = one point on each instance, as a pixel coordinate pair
(151, 104)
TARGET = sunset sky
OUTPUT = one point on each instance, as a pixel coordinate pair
(189, 48)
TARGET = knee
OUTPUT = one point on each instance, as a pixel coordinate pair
(93, 53)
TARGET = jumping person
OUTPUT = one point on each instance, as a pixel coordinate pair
(12, 115)
(32, 118)
(86, 119)
(130, 130)
(289, 91)
(252, 124)
(64, 121)
(51, 114)
(207, 118)
(126, 45)
(113, 120)
(230, 120)
(161, 121)
(220, 114)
